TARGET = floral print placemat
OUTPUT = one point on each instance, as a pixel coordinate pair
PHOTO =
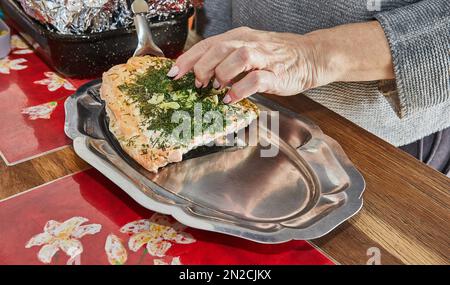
(31, 105)
(86, 219)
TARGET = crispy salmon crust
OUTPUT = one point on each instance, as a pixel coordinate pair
(126, 121)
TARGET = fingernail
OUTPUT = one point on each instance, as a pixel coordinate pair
(216, 84)
(227, 99)
(173, 71)
(198, 84)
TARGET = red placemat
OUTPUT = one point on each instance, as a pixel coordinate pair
(31, 105)
(86, 219)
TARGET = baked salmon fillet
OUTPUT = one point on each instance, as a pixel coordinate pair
(156, 120)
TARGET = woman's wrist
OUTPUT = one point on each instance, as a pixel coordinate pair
(353, 52)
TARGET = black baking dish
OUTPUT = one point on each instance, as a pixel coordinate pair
(88, 55)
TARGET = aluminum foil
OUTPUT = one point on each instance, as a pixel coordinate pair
(165, 8)
(92, 16)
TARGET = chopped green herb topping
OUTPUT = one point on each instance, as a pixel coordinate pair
(158, 97)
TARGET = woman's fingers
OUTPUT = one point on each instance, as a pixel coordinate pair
(205, 66)
(187, 60)
(254, 82)
(240, 60)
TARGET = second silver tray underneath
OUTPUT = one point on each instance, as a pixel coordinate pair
(305, 191)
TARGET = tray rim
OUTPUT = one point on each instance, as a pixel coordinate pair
(318, 229)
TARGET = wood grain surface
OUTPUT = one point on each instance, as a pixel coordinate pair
(405, 216)
(406, 204)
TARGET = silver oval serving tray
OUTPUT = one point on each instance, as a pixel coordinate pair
(304, 192)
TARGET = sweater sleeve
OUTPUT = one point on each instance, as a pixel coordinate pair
(214, 18)
(419, 38)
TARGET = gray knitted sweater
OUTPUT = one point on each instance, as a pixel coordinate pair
(419, 36)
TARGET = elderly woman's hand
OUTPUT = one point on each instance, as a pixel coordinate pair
(284, 64)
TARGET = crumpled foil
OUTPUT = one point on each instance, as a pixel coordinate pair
(78, 16)
(93, 16)
(164, 8)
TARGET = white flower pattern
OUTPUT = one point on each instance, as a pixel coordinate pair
(115, 250)
(175, 261)
(54, 82)
(157, 233)
(19, 45)
(7, 64)
(22, 51)
(42, 111)
(62, 236)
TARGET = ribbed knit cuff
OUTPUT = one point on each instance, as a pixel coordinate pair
(419, 38)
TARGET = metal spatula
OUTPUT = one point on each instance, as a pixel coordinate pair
(146, 45)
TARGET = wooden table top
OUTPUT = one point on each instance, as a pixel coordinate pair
(406, 204)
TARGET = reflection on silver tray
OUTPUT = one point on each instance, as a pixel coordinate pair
(304, 192)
